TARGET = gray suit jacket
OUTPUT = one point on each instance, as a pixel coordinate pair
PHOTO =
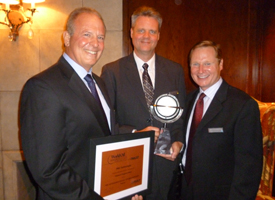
(227, 161)
(125, 90)
(58, 115)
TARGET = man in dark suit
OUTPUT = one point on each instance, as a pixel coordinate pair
(125, 86)
(226, 155)
(59, 113)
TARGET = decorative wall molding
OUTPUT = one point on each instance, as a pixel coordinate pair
(18, 185)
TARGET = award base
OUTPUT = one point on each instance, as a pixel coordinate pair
(164, 142)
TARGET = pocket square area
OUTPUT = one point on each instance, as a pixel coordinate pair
(215, 130)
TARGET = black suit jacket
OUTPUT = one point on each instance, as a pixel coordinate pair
(227, 162)
(58, 115)
(126, 93)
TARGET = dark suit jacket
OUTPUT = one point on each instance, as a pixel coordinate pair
(126, 92)
(227, 164)
(58, 115)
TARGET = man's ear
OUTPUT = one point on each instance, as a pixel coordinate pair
(221, 64)
(131, 32)
(66, 38)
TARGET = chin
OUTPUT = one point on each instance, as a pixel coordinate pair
(202, 85)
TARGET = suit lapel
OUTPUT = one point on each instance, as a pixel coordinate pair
(79, 88)
(74, 82)
(216, 105)
(160, 75)
(103, 90)
(134, 79)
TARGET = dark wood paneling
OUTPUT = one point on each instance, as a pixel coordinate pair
(268, 51)
(239, 26)
(254, 38)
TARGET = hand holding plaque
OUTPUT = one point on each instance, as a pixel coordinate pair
(166, 109)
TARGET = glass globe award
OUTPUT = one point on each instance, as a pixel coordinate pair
(166, 109)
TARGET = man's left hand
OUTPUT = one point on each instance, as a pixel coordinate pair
(175, 150)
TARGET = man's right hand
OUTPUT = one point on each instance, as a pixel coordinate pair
(151, 128)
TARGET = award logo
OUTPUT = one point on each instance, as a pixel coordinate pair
(166, 109)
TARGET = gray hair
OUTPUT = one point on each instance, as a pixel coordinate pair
(147, 12)
(75, 13)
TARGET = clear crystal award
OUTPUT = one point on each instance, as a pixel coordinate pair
(166, 109)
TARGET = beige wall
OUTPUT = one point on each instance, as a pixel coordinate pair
(24, 58)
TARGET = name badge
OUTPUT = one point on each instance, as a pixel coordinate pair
(215, 130)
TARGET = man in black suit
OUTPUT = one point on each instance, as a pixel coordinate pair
(123, 80)
(226, 155)
(59, 113)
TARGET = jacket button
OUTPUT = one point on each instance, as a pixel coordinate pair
(148, 120)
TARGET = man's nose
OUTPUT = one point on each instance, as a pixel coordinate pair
(94, 42)
(201, 68)
(146, 34)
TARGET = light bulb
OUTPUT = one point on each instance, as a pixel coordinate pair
(7, 6)
(10, 36)
(30, 34)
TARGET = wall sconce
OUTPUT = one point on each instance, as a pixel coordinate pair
(15, 18)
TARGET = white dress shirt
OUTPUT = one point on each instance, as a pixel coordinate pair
(151, 68)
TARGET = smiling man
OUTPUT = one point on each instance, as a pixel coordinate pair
(125, 81)
(58, 113)
(62, 108)
(223, 155)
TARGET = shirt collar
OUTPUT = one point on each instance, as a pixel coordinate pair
(211, 91)
(77, 68)
(140, 62)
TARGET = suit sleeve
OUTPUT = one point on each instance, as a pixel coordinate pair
(248, 153)
(177, 130)
(45, 146)
(110, 81)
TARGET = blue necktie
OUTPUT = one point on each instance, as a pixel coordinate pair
(92, 87)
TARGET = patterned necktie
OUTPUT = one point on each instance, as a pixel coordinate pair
(148, 90)
(147, 85)
(197, 116)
